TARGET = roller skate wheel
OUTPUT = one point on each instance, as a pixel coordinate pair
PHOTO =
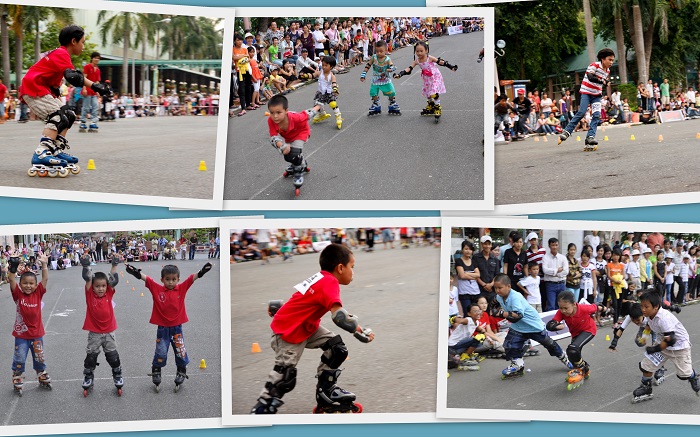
(358, 409)
(297, 191)
(437, 120)
(32, 172)
(52, 173)
(158, 389)
(75, 170)
(285, 174)
(119, 392)
(307, 169)
(42, 173)
(85, 392)
(19, 392)
(63, 172)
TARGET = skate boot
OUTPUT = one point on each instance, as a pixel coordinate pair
(643, 392)
(564, 359)
(289, 171)
(468, 364)
(429, 109)
(18, 382)
(577, 375)
(180, 377)
(338, 120)
(44, 379)
(93, 128)
(298, 172)
(332, 399)
(591, 144)
(394, 109)
(83, 127)
(45, 163)
(475, 357)
(375, 109)
(694, 383)
(437, 112)
(61, 147)
(515, 370)
(156, 377)
(320, 117)
(659, 376)
(118, 379)
(267, 406)
(88, 381)
(564, 136)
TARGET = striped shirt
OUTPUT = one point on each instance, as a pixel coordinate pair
(536, 256)
(595, 89)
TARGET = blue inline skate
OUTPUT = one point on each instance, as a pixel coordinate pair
(515, 370)
(61, 147)
(375, 109)
(83, 127)
(93, 128)
(45, 163)
(394, 109)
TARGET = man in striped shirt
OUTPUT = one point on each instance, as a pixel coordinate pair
(591, 92)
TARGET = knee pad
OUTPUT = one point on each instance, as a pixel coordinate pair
(112, 358)
(286, 384)
(338, 352)
(63, 118)
(294, 157)
(574, 353)
(91, 361)
(333, 104)
(550, 345)
(685, 378)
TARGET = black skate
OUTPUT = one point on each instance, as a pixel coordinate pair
(591, 144)
(267, 406)
(118, 380)
(180, 378)
(18, 382)
(156, 377)
(643, 392)
(332, 399)
(659, 376)
(564, 136)
(695, 384)
(44, 380)
(493, 354)
(88, 381)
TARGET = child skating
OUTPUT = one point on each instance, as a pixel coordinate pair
(169, 314)
(28, 329)
(327, 92)
(526, 324)
(674, 346)
(433, 85)
(100, 323)
(297, 326)
(381, 66)
(40, 90)
(289, 131)
(579, 319)
(591, 93)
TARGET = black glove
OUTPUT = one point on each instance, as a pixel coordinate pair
(85, 261)
(653, 349)
(133, 271)
(115, 260)
(497, 312)
(204, 270)
(613, 343)
(101, 89)
(13, 264)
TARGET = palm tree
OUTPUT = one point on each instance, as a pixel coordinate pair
(36, 14)
(590, 37)
(119, 26)
(5, 44)
(147, 36)
(17, 26)
(634, 23)
(620, 40)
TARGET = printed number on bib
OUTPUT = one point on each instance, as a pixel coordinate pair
(595, 107)
(656, 358)
(304, 286)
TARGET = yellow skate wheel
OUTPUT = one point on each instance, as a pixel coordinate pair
(32, 172)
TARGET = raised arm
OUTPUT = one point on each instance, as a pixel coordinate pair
(12, 266)
(136, 273)
(205, 268)
(350, 323)
(87, 271)
(113, 277)
(44, 260)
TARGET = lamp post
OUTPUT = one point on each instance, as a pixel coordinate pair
(155, 71)
(500, 52)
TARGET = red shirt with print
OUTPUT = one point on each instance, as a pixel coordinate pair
(169, 305)
(47, 72)
(298, 128)
(99, 316)
(28, 323)
(581, 321)
(301, 315)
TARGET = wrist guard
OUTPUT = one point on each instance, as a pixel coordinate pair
(273, 306)
(653, 349)
(613, 343)
(204, 270)
(593, 78)
(480, 338)
(552, 325)
(13, 264)
(364, 335)
(403, 73)
(363, 74)
(335, 89)
(112, 279)
(133, 271)
(446, 64)
(115, 260)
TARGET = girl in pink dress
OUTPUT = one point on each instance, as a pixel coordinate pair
(433, 85)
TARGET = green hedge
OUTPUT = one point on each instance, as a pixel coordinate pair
(629, 90)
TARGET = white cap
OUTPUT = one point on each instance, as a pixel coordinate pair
(532, 235)
(248, 35)
(486, 238)
(686, 256)
(635, 252)
(647, 250)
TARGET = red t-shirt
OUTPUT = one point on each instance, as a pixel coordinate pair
(3, 92)
(47, 72)
(169, 305)
(99, 316)
(483, 321)
(92, 73)
(298, 128)
(28, 324)
(301, 316)
(581, 321)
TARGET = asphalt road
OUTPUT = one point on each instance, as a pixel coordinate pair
(65, 342)
(142, 156)
(529, 171)
(614, 376)
(394, 292)
(379, 157)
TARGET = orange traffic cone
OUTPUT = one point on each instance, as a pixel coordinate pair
(256, 348)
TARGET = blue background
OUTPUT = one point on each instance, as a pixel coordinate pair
(26, 211)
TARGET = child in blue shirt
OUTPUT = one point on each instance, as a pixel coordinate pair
(526, 324)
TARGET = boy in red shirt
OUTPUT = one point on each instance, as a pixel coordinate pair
(579, 319)
(29, 328)
(289, 131)
(297, 325)
(169, 314)
(90, 103)
(100, 322)
(40, 90)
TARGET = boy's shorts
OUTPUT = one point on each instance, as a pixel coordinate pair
(324, 97)
(681, 358)
(43, 106)
(107, 342)
(387, 89)
(289, 354)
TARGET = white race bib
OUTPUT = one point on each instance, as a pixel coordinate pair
(595, 107)
(304, 286)
(656, 358)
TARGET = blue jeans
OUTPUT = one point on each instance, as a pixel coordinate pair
(193, 249)
(170, 336)
(553, 290)
(586, 99)
(669, 291)
(515, 340)
(22, 347)
(90, 107)
(576, 292)
(463, 345)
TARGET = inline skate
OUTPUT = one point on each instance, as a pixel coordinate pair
(156, 377)
(643, 392)
(332, 399)
(267, 406)
(515, 370)
(320, 117)
(297, 171)
(118, 379)
(564, 136)
(695, 383)
(394, 109)
(88, 381)
(83, 127)
(93, 128)
(44, 163)
(44, 380)
(18, 382)
(180, 377)
(577, 375)
(375, 109)
(61, 147)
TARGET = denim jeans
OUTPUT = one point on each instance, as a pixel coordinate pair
(170, 336)
(90, 107)
(586, 99)
(515, 341)
(553, 290)
(463, 345)
(193, 249)
(22, 348)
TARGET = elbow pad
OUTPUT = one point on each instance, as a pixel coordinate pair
(112, 279)
(345, 321)
(671, 338)
(593, 78)
(74, 77)
(552, 325)
(514, 316)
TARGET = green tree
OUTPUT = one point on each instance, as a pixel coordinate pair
(5, 44)
(119, 26)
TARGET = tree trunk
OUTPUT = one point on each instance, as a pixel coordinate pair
(144, 68)
(37, 44)
(637, 36)
(621, 52)
(19, 55)
(648, 43)
(125, 62)
(5, 45)
(590, 37)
